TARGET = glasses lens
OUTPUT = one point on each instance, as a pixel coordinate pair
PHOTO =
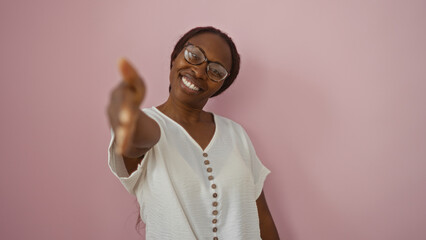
(194, 55)
(216, 72)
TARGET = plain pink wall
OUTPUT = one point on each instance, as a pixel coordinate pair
(332, 94)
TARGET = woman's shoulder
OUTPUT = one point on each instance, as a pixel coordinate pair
(155, 114)
(148, 109)
(228, 123)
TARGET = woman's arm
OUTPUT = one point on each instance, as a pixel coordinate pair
(135, 132)
(268, 231)
(145, 135)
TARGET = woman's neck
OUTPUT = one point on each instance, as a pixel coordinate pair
(182, 112)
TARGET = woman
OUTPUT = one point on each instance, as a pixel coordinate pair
(195, 174)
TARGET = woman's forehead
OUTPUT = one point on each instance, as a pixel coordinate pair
(215, 48)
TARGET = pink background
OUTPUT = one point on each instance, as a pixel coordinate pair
(331, 93)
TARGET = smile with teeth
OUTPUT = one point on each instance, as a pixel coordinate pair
(189, 84)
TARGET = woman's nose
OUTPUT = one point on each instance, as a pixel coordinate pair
(201, 71)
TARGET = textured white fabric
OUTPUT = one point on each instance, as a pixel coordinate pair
(173, 190)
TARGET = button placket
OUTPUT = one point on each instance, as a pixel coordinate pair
(215, 202)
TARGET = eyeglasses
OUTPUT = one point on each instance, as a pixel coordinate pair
(195, 56)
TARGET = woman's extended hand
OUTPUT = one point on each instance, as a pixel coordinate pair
(123, 109)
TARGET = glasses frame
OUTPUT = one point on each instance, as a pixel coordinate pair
(205, 60)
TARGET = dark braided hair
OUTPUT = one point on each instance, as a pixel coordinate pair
(235, 68)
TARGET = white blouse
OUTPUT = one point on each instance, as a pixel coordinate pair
(185, 192)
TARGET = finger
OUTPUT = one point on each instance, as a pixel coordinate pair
(120, 98)
(113, 120)
(125, 130)
(124, 116)
(119, 138)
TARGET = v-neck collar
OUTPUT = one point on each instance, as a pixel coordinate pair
(189, 135)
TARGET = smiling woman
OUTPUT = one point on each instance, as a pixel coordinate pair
(195, 174)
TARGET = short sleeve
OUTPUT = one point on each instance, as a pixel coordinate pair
(116, 164)
(259, 171)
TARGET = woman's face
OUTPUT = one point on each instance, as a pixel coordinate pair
(190, 83)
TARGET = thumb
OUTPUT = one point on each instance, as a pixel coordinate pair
(132, 78)
(128, 72)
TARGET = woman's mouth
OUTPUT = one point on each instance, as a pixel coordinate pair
(187, 83)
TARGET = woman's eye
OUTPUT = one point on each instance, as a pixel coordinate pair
(194, 56)
(216, 72)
